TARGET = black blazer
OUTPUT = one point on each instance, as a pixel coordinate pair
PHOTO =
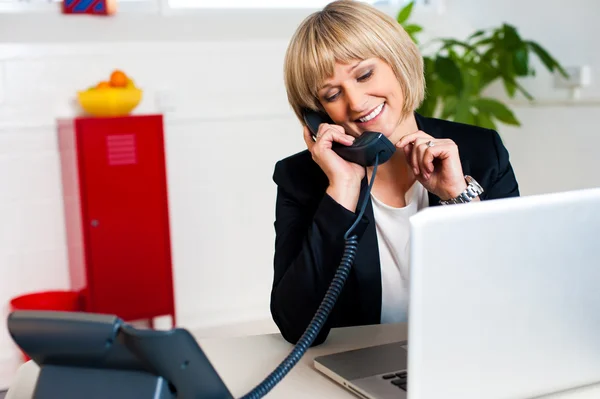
(310, 225)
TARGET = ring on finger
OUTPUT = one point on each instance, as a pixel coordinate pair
(430, 143)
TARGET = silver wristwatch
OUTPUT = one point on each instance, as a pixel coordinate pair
(473, 190)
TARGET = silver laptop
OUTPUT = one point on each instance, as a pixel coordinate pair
(505, 303)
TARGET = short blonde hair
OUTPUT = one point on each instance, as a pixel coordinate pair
(343, 31)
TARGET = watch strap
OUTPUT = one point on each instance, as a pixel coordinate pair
(472, 191)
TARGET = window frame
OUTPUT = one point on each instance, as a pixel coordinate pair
(215, 6)
(425, 6)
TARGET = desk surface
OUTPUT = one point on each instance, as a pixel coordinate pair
(243, 362)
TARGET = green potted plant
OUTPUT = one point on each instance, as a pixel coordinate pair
(458, 72)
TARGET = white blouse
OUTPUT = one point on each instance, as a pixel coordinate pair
(392, 225)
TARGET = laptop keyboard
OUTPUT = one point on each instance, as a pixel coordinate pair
(398, 379)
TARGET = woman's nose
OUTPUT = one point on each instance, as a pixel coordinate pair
(356, 100)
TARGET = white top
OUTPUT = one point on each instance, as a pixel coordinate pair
(393, 240)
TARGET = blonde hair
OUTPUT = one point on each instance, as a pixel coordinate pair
(343, 31)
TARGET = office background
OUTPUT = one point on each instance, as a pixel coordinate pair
(217, 77)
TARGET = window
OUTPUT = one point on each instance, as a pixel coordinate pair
(275, 4)
(425, 5)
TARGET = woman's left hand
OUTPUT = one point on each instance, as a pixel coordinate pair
(435, 163)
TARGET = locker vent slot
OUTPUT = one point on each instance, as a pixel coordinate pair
(121, 149)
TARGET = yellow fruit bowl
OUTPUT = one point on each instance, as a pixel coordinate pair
(111, 101)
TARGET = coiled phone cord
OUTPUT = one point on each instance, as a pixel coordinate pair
(335, 288)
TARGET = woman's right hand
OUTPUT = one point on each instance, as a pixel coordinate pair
(344, 177)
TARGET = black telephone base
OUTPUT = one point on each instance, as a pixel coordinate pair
(93, 356)
(71, 382)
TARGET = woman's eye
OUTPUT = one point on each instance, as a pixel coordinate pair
(366, 76)
(332, 97)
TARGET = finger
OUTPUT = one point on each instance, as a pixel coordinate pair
(429, 154)
(441, 151)
(417, 154)
(343, 138)
(329, 136)
(408, 153)
(447, 148)
(423, 152)
(409, 138)
(428, 158)
(323, 127)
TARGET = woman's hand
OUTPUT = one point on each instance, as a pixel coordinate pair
(344, 177)
(435, 163)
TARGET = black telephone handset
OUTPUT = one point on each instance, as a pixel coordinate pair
(363, 150)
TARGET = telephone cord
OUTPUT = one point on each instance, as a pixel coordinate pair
(331, 296)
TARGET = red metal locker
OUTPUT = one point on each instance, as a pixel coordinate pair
(116, 213)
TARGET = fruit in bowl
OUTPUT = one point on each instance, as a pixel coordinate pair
(117, 96)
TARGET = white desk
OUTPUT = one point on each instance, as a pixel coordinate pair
(244, 362)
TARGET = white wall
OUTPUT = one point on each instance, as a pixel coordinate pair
(229, 122)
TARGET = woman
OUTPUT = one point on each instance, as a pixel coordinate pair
(359, 66)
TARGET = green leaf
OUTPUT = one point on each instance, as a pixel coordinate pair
(434, 86)
(473, 81)
(510, 87)
(476, 34)
(450, 104)
(405, 13)
(412, 29)
(429, 64)
(521, 61)
(428, 106)
(463, 112)
(449, 72)
(454, 55)
(450, 43)
(465, 117)
(511, 39)
(484, 42)
(506, 63)
(484, 119)
(546, 58)
(487, 73)
(497, 109)
(489, 55)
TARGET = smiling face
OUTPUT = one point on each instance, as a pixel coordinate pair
(364, 95)
(321, 71)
